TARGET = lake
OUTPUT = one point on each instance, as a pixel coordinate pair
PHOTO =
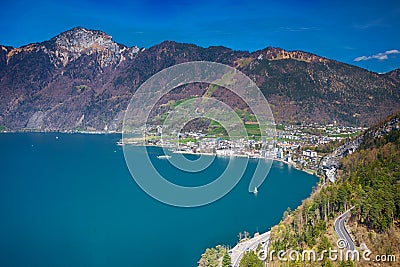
(69, 200)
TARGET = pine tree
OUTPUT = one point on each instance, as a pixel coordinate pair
(250, 259)
(226, 260)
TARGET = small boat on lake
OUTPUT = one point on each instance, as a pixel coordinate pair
(164, 157)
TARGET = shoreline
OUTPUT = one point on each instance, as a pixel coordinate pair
(245, 156)
(291, 164)
(175, 152)
(303, 170)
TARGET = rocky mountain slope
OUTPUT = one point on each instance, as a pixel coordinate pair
(82, 79)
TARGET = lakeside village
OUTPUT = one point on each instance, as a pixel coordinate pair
(306, 147)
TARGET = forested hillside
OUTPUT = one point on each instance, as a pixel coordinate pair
(369, 180)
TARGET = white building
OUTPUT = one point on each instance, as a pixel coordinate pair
(279, 155)
(309, 153)
(331, 174)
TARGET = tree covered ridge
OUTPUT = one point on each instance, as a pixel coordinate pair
(369, 179)
(374, 174)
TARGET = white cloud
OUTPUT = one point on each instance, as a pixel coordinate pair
(379, 56)
(379, 22)
(296, 29)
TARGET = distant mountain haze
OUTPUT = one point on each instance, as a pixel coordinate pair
(82, 79)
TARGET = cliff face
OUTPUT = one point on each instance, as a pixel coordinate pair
(63, 83)
(82, 79)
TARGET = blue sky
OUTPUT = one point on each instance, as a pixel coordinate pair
(362, 33)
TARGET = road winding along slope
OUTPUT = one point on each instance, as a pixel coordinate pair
(340, 230)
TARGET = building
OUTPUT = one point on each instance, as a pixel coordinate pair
(279, 155)
(330, 174)
(309, 153)
(159, 129)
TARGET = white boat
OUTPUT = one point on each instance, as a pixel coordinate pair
(164, 157)
(255, 190)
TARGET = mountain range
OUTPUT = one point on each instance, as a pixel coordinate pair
(83, 80)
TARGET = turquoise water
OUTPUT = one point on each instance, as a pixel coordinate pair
(72, 202)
